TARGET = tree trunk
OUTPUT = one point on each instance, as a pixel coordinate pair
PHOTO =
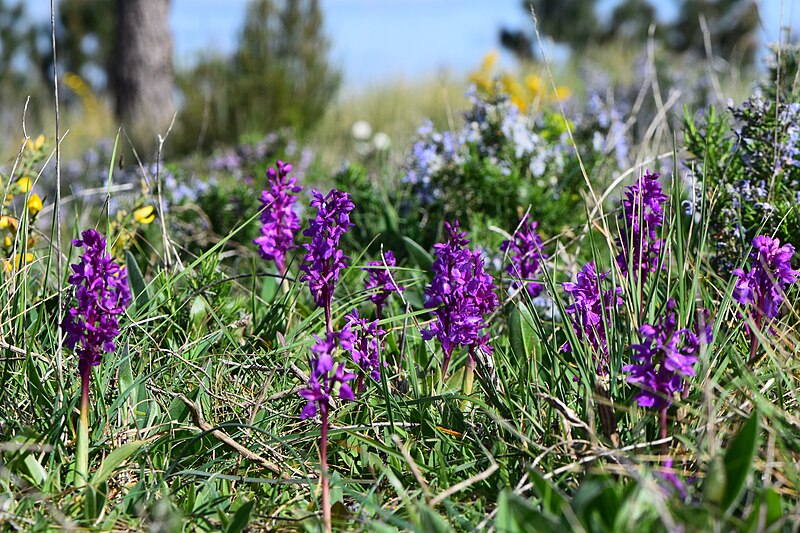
(143, 80)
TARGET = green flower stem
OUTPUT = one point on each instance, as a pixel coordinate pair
(82, 455)
(469, 376)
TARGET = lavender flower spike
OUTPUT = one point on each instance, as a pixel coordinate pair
(642, 213)
(462, 293)
(664, 359)
(770, 274)
(324, 260)
(279, 221)
(526, 254)
(365, 347)
(379, 281)
(102, 295)
(587, 311)
(321, 387)
(321, 383)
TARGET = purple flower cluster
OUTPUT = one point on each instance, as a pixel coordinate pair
(279, 221)
(324, 260)
(322, 382)
(586, 312)
(461, 292)
(664, 359)
(769, 275)
(102, 294)
(364, 346)
(379, 281)
(526, 254)
(642, 213)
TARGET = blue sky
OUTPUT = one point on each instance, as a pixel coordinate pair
(376, 40)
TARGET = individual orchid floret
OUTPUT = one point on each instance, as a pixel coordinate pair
(642, 213)
(664, 359)
(102, 294)
(279, 221)
(365, 347)
(461, 293)
(587, 311)
(770, 274)
(324, 377)
(526, 255)
(324, 259)
(379, 282)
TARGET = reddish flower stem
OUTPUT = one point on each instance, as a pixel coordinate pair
(326, 491)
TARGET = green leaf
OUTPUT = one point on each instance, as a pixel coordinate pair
(715, 481)
(94, 500)
(35, 469)
(114, 460)
(738, 460)
(241, 518)
(419, 255)
(771, 500)
(136, 279)
(552, 500)
(520, 333)
(516, 515)
(126, 373)
(432, 522)
(198, 312)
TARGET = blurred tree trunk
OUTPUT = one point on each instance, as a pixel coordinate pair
(142, 75)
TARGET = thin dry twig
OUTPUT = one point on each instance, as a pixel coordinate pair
(414, 468)
(458, 487)
(60, 258)
(198, 420)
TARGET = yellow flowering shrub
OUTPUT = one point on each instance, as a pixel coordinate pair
(527, 91)
(20, 207)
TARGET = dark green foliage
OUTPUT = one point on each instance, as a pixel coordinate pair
(732, 27)
(18, 68)
(749, 158)
(571, 22)
(85, 32)
(279, 77)
(783, 80)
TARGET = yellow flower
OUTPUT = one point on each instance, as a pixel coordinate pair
(8, 222)
(25, 184)
(34, 204)
(534, 84)
(512, 88)
(18, 259)
(562, 93)
(36, 144)
(7, 242)
(144, 215)
(490, 60)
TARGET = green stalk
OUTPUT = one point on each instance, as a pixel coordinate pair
(82, 454)
(468, 381)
